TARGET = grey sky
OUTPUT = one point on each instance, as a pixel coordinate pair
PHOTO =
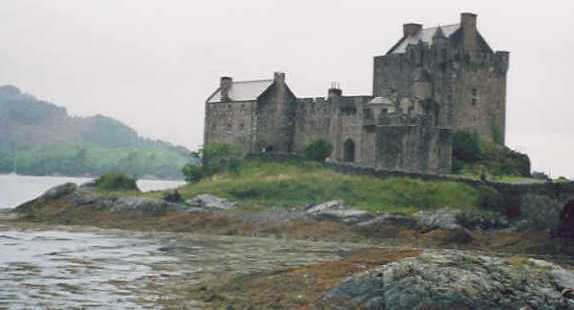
(152, 63)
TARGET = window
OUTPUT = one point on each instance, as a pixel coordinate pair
(367, 114)
(474, 97)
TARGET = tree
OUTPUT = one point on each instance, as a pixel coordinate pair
(218, 158)
(318, 150)
(215, 158)
(466, 146)
(192, 173)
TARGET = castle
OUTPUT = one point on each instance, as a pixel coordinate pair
(431, 83)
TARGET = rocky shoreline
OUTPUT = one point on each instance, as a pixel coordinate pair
(440, 263)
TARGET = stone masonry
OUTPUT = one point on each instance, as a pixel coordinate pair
(432, 82)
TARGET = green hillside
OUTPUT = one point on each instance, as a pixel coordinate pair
(40, 138)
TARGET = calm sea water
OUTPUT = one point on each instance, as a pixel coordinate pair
(16, 189)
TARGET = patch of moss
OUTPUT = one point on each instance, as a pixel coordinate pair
(116, 182)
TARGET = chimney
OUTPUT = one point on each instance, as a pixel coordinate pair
(469, 31)
(335, 90)
(279, 77)
(225, 85)
(411, 29)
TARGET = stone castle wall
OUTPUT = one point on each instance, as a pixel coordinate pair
(231, 123)
(312, 122)
(412, 148)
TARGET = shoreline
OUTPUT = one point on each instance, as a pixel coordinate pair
(393, 242)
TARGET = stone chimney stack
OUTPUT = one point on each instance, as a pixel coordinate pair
(279, 77)
(469, 32)
(335, 90)
(225, 84)
(411, 29)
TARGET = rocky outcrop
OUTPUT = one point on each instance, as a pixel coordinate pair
(456, 280)
(87, 196)
(390, 219)
(336, 210)
(441, 218)
(143, 205)
(210, 202)
(59, 191)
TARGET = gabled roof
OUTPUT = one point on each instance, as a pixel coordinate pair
(426, 35)
(243, 90)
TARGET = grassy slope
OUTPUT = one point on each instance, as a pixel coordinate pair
(269, 184)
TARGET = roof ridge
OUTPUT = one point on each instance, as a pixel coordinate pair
(442, 26)
(251, 81)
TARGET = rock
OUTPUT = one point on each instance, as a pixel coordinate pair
(390, 219)
(329, 205)
(441, 218)
(143, 205)
(167, 248)
(173, 197)
(8, 215)
(56, 192)
(89, 184)
(59, 191)
(337, 211)
(350, 216)
(455, 280)
(208, 201)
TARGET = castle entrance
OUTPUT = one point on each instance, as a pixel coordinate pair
(566, 228)
(349, 151)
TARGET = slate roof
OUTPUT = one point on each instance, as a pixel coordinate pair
(243, 90)
(381, 100)
(425, 36)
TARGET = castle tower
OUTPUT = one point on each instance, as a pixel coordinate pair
(452, 67)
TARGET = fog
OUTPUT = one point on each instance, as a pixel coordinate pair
(152, 64)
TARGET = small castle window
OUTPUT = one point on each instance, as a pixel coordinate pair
(241, 126)
(474, 96)
(367, 113)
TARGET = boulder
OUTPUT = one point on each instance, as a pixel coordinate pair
(337, 211)
(326, 206)
(88, 185)
(211, 202)
(350, 216)
(59, 191)
(456, 280)
(441, 218)
(143, 206)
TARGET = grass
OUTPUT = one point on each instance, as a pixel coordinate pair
(297, 184)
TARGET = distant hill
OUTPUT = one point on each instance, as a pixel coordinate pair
(40, 138)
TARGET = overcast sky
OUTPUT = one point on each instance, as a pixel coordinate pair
(152, 63)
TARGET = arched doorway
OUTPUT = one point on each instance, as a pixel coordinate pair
(349, 151)
(566, 228)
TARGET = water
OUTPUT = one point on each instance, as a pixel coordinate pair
(16, 189)
(59, 267)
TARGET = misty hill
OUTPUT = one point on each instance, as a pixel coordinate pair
(40, 138)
